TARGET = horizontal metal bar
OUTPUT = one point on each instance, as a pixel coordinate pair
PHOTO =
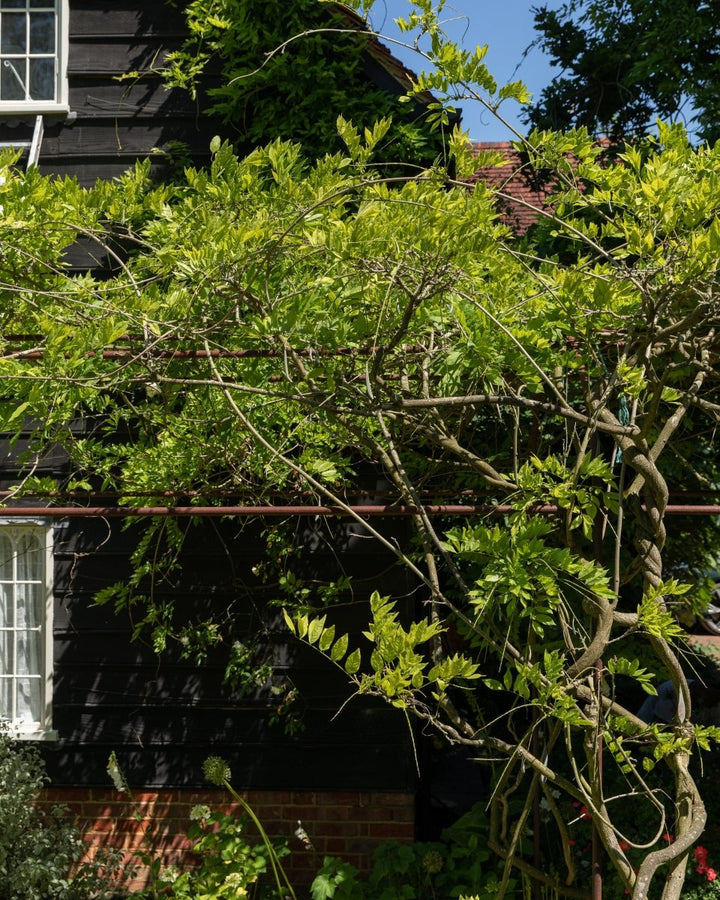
(369, 511)
(115, 512)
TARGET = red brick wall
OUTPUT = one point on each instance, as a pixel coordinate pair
(346, 824)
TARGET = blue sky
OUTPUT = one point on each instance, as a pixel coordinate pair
(506, 26)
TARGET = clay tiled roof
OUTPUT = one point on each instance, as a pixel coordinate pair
(523, 190)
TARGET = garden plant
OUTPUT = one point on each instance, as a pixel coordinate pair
(278, 323)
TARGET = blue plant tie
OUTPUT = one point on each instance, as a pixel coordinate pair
(623, 419)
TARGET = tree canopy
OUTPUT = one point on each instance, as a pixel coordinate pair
(627, 62)
(272, 325)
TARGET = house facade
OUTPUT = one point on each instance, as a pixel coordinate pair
(64, 101)
(72, 677)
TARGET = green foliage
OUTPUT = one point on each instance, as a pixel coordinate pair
(627, 62)
(281, 330)
(40, 847)
(398, 659)
(230, 865)
(632, 669)
(289, 70)
(457, 865)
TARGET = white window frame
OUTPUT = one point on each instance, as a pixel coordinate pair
(42, 729)
(60, 103)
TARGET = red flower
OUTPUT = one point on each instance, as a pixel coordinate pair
(571, 842)
(710, 874)
(668, 837)
(624, 845)
(584, 814)
(700, 854)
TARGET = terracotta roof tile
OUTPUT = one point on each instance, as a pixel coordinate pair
(523, 190)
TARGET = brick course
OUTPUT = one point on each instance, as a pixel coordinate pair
(346, 824)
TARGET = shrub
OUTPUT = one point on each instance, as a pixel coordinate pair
(458, 865)
(229, 865)
(40, 850)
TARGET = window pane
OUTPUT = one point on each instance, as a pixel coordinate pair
(30, 558)
(29, 654)
(13, 37)
(12, 4)
(42, 32)
(10, 87)
(22, 622)
(42, 79)
(7, 607)
(6, 559)
(28, 700)
(7, 663)
(41, 4)
(6, 686)
(29, 606)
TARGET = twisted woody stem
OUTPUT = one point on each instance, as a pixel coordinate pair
(646, 502)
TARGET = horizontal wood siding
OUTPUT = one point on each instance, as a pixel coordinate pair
(163, 715)
(116, 122)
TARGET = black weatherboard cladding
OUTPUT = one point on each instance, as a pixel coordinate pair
(163, 715)
(115, 122)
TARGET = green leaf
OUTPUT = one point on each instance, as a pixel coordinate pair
(352, 663)
(17, 413)
(339, 648)
(315, 630)
(327, 638)
(289, 622)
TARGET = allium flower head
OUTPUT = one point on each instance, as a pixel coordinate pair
(432, 862)
(216, 771)
(169, 875)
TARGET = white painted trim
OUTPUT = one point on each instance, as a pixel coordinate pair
(43, 730)
(60, 104)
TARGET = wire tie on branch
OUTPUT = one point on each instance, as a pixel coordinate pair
(623, 419)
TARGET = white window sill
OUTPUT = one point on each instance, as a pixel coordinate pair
(33, 109)
(23, 734)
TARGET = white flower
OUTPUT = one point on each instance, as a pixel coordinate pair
(200, 812)
(168, 875)
(115, 773)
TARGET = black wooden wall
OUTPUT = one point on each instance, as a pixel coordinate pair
(163, 715)
(113, 123)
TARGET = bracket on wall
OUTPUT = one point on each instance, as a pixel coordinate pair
(32, 146)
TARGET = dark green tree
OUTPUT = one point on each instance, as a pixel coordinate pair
(626, 62)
